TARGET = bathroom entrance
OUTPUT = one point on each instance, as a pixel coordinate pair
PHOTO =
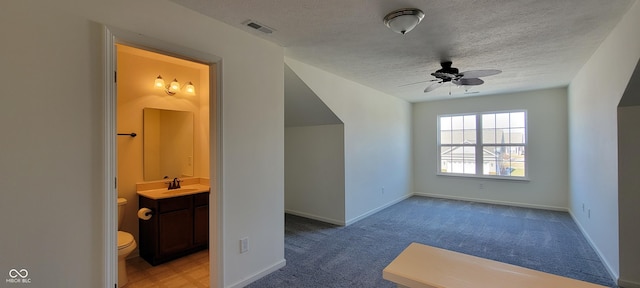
(166, 123)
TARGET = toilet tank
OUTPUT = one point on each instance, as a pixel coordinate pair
(121, 203)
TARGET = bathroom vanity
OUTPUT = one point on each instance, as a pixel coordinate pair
(179, 223)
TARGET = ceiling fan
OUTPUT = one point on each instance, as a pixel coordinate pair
(451, 74)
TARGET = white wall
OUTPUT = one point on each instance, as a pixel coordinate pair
(314, 172)
(377, 137)
(546, 150)
(593, 99)
(51, 162)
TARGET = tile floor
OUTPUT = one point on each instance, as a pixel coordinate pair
(189, 271)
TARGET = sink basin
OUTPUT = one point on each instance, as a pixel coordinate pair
(179, 191)
(164, 193)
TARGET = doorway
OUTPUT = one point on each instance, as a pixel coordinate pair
(123, 154)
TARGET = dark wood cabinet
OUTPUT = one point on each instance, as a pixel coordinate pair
(174, 234)
(201, 219)
(179, 226)
(201, 225)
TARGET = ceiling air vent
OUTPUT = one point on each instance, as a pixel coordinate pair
(257, 26)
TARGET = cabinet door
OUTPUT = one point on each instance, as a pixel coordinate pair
(201, 225)
(174, 232)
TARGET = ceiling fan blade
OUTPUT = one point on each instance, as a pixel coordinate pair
(479, 73)
(432, 87)
(414, 83)
(468, 81)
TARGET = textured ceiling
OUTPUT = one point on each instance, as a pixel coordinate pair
(536, 43)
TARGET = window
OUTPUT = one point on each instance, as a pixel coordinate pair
(483, 144)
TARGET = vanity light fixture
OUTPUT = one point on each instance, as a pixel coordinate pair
(174, 86)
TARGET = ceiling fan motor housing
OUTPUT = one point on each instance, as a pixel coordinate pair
(447, 73)
(453, 75)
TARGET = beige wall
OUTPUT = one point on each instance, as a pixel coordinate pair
(137, 70)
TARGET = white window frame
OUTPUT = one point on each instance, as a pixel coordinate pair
(479, 147)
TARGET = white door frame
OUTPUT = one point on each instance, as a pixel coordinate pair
(111, 36)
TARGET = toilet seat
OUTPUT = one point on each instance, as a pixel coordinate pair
(124, 240)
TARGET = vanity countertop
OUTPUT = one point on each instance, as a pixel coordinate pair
(166, 193)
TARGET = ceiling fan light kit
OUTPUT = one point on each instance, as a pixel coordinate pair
(403, 20)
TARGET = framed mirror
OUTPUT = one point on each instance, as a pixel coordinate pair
(168, 144)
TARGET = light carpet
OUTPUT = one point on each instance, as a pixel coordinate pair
(324, 255)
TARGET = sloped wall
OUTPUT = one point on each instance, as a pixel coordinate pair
(314, 154)
(377, 140)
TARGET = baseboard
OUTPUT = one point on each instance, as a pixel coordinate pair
(628, 284)
(315, 217)
(489, 201)
(376, 210)
(255, 277)
(612, 273)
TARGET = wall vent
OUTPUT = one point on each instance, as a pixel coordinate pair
(258, 26)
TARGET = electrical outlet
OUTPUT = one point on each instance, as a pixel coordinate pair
(481, 186)
(244, 245)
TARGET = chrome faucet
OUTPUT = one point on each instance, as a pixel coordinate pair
(175, 184)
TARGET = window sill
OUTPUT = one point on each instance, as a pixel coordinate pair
(506, 178)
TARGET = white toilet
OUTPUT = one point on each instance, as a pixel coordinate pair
(126, 245)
